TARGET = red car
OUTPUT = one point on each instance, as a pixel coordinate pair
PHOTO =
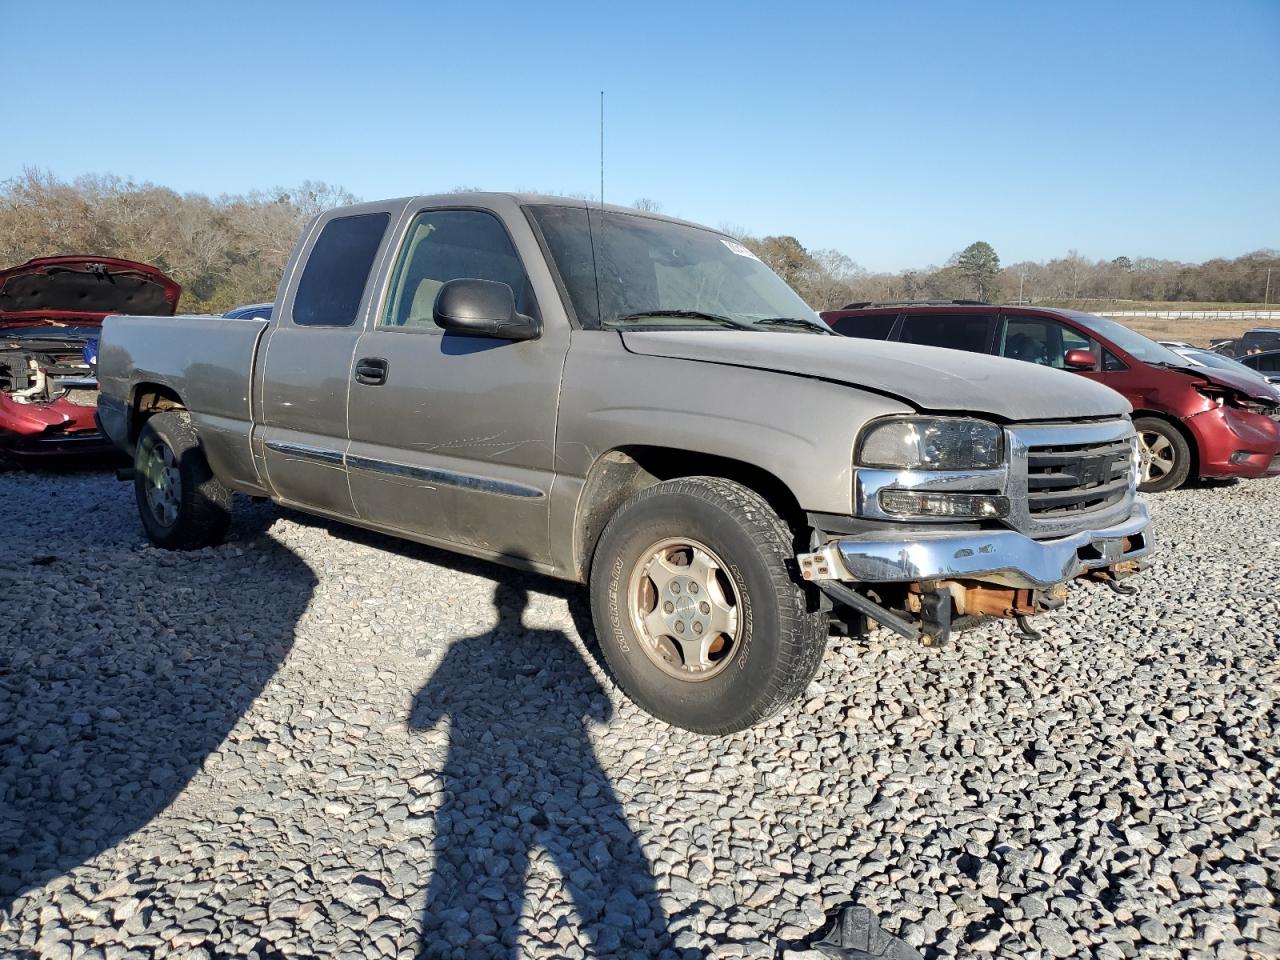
(51, 311)
(1191, 421)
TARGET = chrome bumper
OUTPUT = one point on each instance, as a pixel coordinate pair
(996, 556)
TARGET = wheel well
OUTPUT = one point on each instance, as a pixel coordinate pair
(1181, 427)
(148, 400)
(625, 471)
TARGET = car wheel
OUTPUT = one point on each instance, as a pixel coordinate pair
(697, 614)
(182, 505)
(1164, 456)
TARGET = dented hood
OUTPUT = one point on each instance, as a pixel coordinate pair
(1255, 388)
(929, 378)
(83, 288)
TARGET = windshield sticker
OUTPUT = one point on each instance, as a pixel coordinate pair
(739, 249)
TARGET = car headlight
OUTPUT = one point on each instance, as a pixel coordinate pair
(931, 443)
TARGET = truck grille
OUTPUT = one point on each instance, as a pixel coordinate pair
(1068, 477)
(1074, 478)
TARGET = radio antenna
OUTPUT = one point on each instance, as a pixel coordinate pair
(601, 149)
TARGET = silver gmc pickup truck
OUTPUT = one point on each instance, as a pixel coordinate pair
(637, 403)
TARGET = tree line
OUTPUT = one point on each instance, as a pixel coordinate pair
(828, 279)
(225, 251)
(231, 249)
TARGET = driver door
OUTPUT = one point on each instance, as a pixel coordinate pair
(455, 441)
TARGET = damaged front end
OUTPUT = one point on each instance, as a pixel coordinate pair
(51, 311)
(48, 396)
(1048, 504)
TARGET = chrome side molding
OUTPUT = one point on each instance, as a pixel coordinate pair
(445, 478)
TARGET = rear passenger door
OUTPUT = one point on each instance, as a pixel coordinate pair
(305, 366)
(456, 443)
(955, 330)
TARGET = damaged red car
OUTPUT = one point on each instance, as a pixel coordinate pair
(51, 311)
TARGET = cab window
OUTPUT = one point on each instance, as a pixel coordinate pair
(956, 331)
(337, 271)
(444, 245)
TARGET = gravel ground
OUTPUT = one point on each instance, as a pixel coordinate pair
(314, 741)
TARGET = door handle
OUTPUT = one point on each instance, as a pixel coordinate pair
(371, 371)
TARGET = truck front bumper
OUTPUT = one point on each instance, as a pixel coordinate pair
(1002, 557)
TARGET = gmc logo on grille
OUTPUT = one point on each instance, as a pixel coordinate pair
(1092, 472)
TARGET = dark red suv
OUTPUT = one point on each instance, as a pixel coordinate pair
(1191, 421)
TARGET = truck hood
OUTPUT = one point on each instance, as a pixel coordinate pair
(929, 378)
(83, 288)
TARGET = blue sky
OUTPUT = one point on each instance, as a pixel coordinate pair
(896, 132)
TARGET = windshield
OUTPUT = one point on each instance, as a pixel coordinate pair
(623, 271)
(1134, 344)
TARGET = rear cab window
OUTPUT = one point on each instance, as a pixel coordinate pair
(337, 271)
(955, 331)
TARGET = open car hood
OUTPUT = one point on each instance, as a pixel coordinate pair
(83, 288)
(929, 378)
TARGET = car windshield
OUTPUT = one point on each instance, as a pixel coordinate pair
(624, 271)
(1134, 344)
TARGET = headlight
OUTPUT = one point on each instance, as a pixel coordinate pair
(931, 443)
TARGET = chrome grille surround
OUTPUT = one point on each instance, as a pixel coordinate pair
(1068, 477)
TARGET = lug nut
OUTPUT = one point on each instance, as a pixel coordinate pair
(697, 627)
(675, 586)
(679, 626)
(668, 607)
(704, 607)
(693, 587)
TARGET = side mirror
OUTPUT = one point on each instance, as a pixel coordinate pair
(482, 308)
(1080, 360)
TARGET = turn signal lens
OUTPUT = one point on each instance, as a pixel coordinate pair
(912, 503)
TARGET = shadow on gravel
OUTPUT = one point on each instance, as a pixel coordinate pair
(120, 667)
(521, 776)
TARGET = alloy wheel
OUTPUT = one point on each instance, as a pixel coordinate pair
(1156, 456)
(685, 608)
(163, 484)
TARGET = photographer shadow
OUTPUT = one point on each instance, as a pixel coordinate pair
(521, 775)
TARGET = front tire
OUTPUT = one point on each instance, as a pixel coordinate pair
(1164, 454)
(695, 609)
(182, 504)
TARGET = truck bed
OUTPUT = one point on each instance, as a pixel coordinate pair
(207, 361)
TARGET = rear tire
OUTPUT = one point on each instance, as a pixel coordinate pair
(708, 558)
(183, 506)
(1165, 455)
